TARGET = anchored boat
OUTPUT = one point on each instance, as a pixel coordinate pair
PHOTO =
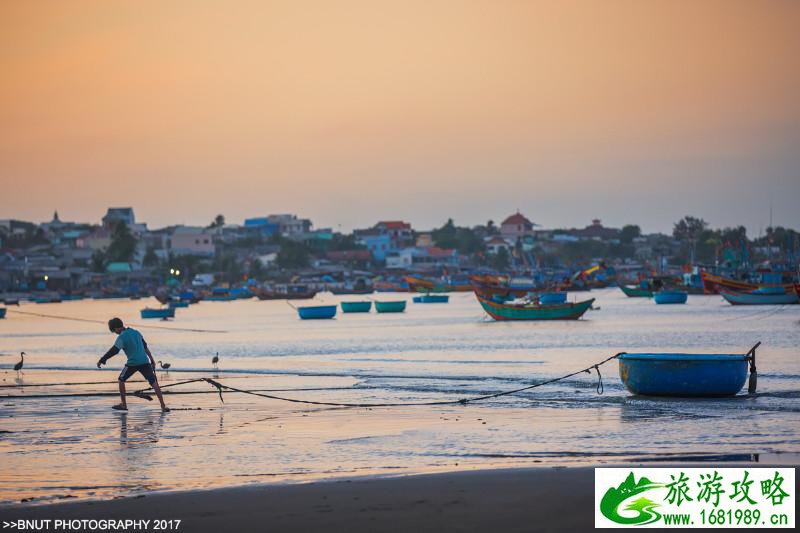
(356, 307)
(317, 312)
(397, 306)
(166, 312)
(2, 312)
(636, 292)
(670, 297)
(685, 374)
(566, 311)
(431, 299)
(764, 298)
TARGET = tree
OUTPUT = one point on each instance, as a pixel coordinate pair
(218, 222)
(292, 255)
(688, 229)
(500, 260)
(629, 232)
(123, 244)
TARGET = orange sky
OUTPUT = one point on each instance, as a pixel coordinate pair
(352, 111)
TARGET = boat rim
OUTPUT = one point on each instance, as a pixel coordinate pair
(699, 357)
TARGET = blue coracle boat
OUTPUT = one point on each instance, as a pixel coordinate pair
(432, 299)
(166, 312)
(688, 375)
(2, 312)
(670, 297)
(317, 312)
(177, 304)
(552, 298)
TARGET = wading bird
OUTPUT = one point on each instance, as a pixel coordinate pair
(215, 360)
(164, 366)
(18, 366)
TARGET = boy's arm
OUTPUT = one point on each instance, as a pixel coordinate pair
(109, 354)
(147, 351)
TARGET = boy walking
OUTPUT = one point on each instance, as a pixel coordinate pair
(133, 344)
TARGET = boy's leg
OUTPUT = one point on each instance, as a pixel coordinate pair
(150, 376)
(157, 389)
(122, 402)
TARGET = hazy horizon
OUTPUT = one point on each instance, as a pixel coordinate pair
(351, 112)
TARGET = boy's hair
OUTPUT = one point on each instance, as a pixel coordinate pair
(115, 323)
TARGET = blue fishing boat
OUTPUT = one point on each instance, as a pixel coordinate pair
(395, 306)
(670, 297)
(176, 304)
(684, 374)
(164, 312)
(2, 312)
(431, 299)
(764, 298)
(552, 298)
(317, 312)
(356, 307)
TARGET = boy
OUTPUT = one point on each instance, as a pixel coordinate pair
(132, 343)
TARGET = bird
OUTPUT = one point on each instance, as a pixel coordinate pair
(18, 366)
(215, 360)
(164, 366)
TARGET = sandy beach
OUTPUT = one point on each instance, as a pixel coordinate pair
(542, 499)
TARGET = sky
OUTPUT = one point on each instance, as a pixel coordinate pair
(349, 112)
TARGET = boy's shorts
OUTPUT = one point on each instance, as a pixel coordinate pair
(145, 370)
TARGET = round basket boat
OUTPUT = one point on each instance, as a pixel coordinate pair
(683, 374)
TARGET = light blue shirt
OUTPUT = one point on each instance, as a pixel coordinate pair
(131, 342)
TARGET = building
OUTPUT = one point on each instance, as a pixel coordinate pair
(290, 225)
(400, 232)
(115, 215)
(597, 232)
(96, 239)
(191, 240)
(516, 226)
(262, 225)
(496, 243)
(378, 244)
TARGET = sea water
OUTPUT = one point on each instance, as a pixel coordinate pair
(76, 446)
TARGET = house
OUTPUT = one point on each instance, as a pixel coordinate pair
(400, 232)
(96, 239)
(378, 244)
(516, 226)
(497, 243)
(191, 240)
(262, 225)
(597, 232)
(424, 240)
(290, 225)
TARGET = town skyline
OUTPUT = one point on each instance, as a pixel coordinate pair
(351, 111)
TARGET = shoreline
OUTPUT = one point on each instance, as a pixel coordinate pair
(519, 499)
(552, 498)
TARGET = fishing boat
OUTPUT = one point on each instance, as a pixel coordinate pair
(431, 299)
(763, 298)
(317, 312)
(670, 297)
(176, 304)
(286, 292)
(490, 286)
(416, 284)
(356, 307)
(687, 374)
(713, 283)
(165, 312)
(2, 312)
(528, 311)
(395, 306)
(551, 298)
(636, 292)
(12, 301)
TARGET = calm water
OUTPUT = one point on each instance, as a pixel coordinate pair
(77, 447)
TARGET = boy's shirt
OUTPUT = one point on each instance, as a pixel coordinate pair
(131, 342)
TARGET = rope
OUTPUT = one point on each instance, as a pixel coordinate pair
(78, 319)
(463, 401)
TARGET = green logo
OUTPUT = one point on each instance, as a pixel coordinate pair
(644, 508)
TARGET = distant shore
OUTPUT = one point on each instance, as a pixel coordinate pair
(540, 499)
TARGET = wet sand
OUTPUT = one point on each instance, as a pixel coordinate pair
(541, 499)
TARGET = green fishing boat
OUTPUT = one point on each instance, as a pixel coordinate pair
(636, 292)
(397, 306)
(566, 311)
